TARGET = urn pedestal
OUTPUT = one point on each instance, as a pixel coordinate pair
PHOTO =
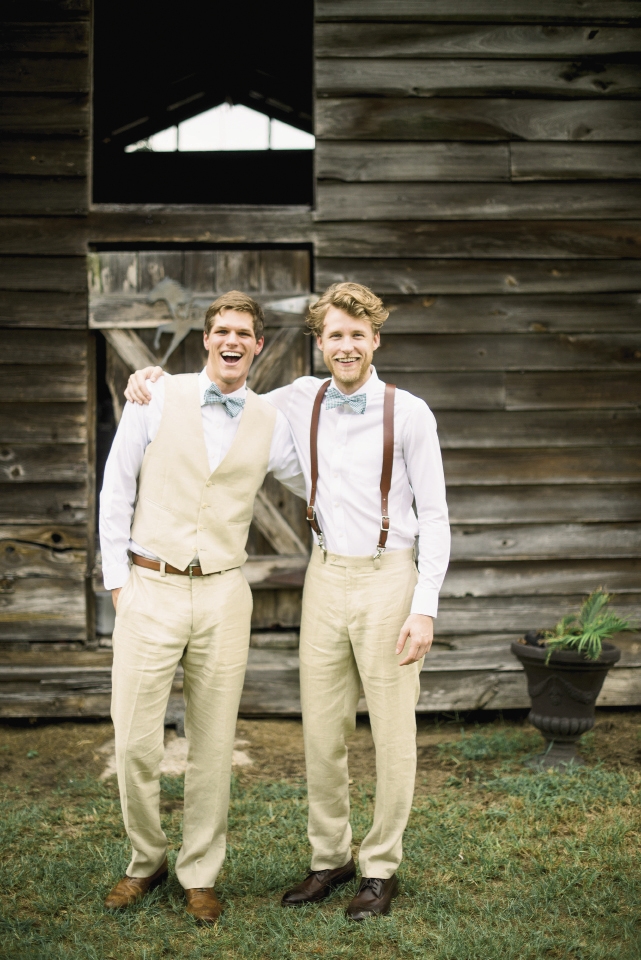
(563, 694)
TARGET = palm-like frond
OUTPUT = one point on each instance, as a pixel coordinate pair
(586, 631)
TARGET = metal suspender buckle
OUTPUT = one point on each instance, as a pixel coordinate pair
(385, 523)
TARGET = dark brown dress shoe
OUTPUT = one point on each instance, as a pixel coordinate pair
(130, 889)
(374, 897)
(318, 885)
(203, 904)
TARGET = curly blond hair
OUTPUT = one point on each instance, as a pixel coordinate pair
(355, 299)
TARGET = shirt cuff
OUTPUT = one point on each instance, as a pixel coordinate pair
(425, 601)
(116, 576)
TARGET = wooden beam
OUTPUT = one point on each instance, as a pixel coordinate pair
(541, 577)
(46, 195)
(544, 503)
(471, 201)
(474, 118)
(489, 11)
(554, 466)
(50, 423)
(575, 161)
(266, 370)
(28, 347)
(471, 237)
(275, 528)
(545, 541)
(497, 429)
(450, 680)
(482, 276)
(133, 352)
(357, 77)
(467, 40)
(155, 223)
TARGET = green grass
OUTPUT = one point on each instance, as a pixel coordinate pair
(500, 864)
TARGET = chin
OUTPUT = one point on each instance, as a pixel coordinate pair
(344, 376)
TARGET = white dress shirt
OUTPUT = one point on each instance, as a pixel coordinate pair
(350, 459)
(137, 428)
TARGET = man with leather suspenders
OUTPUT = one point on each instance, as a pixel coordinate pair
(374, 478)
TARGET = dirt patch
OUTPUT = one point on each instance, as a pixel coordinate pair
(42, 756)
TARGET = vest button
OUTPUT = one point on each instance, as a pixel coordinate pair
(209, 483)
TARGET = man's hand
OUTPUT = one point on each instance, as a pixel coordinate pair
(114, 596)
(419, 629)
(137, 391)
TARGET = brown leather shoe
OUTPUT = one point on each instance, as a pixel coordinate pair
(130, 889)
(374, 897)
(203, 904)
(317, 885)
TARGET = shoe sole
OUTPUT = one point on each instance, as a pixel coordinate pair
(152, 886)
(332, 886)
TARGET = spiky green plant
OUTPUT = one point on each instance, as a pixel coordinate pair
(586, 631)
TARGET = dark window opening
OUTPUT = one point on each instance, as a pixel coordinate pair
(203, 103)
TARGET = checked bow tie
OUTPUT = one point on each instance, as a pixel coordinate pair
(232, 405)
(334, 398)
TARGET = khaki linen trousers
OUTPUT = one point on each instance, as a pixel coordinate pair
(203, 623)
(353, 611)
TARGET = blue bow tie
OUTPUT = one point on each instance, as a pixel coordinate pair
(334, 398)
(232, 405)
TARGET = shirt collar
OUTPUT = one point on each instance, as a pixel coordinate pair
(204, 382)
(370, 388)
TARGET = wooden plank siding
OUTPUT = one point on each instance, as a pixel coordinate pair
(46, 392)
(479, 165)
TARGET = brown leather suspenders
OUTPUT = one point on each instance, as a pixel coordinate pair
(313, 455)
(386, 472)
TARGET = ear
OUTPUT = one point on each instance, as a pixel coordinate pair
(206, 340)
(259, 346)
(377, 341)
(319, 343)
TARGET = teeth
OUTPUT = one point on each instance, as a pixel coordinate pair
(232, 355)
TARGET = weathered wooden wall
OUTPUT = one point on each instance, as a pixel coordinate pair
(46, 361)
(478, 164)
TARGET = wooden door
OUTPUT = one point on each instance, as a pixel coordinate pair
(150, 307)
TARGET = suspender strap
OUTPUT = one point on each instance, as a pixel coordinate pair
(386, 472)
(313, 456)
(388, 462)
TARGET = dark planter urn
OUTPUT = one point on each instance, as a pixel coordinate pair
(563, 695)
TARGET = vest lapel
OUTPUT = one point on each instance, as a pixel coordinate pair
(232, 458)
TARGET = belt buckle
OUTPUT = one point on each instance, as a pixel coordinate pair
(190, 568)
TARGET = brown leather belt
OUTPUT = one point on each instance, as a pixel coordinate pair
(191, 571)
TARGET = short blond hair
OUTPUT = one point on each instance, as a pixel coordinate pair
(235, 300)
(355, 299)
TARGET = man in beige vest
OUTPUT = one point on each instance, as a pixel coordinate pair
(374, 477)
(175, 510)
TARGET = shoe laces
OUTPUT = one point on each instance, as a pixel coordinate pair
(372, 883)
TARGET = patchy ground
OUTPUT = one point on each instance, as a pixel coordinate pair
(43, 755)
(500, 863)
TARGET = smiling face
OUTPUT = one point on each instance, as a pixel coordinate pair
(232, 345)
(348, 345)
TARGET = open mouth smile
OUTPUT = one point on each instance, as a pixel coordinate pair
(230, 357)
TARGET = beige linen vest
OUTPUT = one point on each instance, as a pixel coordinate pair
(182, 508)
